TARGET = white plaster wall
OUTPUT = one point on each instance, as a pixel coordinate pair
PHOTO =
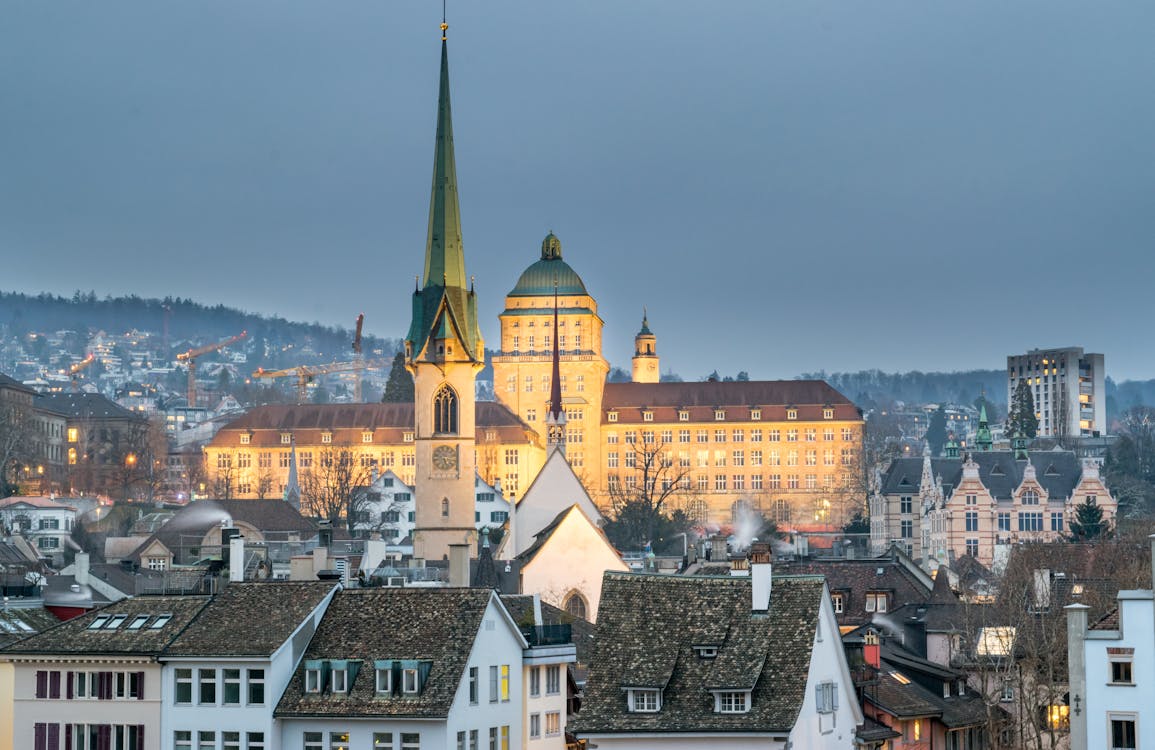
(574, 559)
(497, 643)
(827, 662)
(1137, 623)
(696, 742)
(433, 736)
(218, 717)
(29, 710)
(555, 489)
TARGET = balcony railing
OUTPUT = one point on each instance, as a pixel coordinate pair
(548, 635)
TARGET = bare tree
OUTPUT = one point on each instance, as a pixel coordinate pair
(16, 424)
(646, 493)
(329, 488)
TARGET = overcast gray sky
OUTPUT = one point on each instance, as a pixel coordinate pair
(788, 185)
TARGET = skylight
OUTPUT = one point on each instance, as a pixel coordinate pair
(98, 622)
(115, 622)
(160, 621)
(138, 622)
(902, 679)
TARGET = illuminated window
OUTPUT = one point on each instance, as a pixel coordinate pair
(73, 435)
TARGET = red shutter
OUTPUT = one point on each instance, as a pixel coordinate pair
(54, 737)
(140, 689)
(54, 684)
(41, 684)
(40, 735)
(69, 679)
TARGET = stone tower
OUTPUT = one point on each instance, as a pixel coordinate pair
(646, 368)
(444, 351)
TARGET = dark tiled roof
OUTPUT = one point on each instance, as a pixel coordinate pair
(250, 619)
(80, 405)
(855, 578)
(191, 523)
(809, 397)
(1057, 471)
(647, 627)
(74, 637)
(438, 625)
(7, 383)
(23, 622)
(1109, 621)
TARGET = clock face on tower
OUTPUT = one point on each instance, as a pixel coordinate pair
(445, 458)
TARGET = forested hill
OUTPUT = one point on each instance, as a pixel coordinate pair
(870, 387)
(188, 321)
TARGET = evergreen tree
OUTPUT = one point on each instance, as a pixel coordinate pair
(1088, 523)
(1021, 415)
(936, 431)
(399, 387)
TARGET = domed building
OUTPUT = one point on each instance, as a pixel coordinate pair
(523, 365)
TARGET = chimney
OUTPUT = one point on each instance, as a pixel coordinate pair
(760, 586)
(237, 559)
(82, 568)
(459, 565)
(227, 534)
(1077, 672)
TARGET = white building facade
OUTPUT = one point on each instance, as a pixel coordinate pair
(1069, 389)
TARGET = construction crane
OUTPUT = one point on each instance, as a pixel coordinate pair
(191, 357)
(75, 368)
(357, 358)
(306, 374)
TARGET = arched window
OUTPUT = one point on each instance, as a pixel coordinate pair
(575, 604)
(445, 411)
(445, 507)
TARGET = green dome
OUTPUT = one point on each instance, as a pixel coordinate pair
(538, 280)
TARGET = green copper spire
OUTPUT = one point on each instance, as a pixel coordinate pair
(983, 439)
(444, 257)
(444, 306)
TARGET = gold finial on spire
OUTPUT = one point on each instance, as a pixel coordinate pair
(444, 25)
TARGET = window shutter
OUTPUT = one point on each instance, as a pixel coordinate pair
(140, 691)
(834, 697)
(40, 735)
(68, 736)
(105, 685)
(69, 679)
(54, 684)
(53, 737)
(140, 733)
(41, 684)
(104, 734)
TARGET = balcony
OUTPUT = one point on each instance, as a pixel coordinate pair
(548, 635)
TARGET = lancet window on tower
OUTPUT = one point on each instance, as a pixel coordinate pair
(445, 411)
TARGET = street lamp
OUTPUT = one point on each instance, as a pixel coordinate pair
(129, 465)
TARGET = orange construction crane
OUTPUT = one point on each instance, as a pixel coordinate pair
(75, 368)
(357, 358)
(191, 357)
(306, 374)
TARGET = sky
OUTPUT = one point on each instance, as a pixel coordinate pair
(787, 186)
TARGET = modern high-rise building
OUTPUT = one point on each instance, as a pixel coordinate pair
(1068, 387)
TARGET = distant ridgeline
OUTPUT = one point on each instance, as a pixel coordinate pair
(188, 321)
(868, 388)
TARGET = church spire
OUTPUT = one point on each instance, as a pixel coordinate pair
(444, 256)
(555, 420)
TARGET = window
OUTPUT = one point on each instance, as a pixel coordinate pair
(255, 741)
(208, 686)
(505, 736)
(314, 741)
(493, 738)
(445, 410)
(461, 741)
(382, 741)
(1056, 522)
(906, 528)
(183, 693)
(645, 701)
(180, 740)
(1004, 521)
(535, 681)
(719, 414)
(338, 741)
(647, 416)
(504, 683)
(208, 741)
(553, 679)
(410, 741)
(1030, 522)
(731, 702)
(905, 504)
(612, 416)
(230, 741)
(409, 682)
(1121, 671)
(256, 680)
(1123, 736)
(286, 438)
(473, 739)
(683, 415)
(231, 692)
(876, 602)
(1030, 497)
(552, 724)
(827, 697)
(972, 520)
(493, 684)
(339, 681)
(313, 680)
(534, 726)
(1008, 692)
(972, 547)
(839, 601)
(719, 436)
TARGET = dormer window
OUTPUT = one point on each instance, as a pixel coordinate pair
(385, 680)
(707, 652)
(647, 416)
(792, 414)
(339, 681)
(313, 680)
(612, 416)
(755, 414)
(719, 414)
(876, 602)
(828, 414)
(732, 701)
(683, 415)
(366, 437)
(326, 438)
(246, 438)
(409, 682)
(645, 700)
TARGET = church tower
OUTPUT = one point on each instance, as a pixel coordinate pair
(444, 351)
(646, 354)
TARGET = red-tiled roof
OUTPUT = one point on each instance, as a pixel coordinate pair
(773, 397)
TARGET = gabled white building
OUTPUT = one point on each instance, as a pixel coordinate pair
(389, 507)
(44, 521)
(408, 669)
(223, 674)
(1112, 673)
(555, 488)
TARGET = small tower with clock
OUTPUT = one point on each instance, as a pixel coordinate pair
(646, 354)
(444, 351)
